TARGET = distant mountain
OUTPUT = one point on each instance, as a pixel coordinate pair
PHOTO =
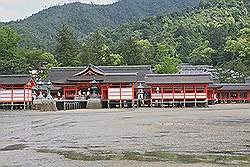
(41, 28)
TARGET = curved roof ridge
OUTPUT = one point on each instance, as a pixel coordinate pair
(16, 75)
(123, 66)
(191, 74)
(135, 73)
(127, 66)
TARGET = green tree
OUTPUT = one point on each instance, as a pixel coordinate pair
(95, 49)
(168, 65)
(202, 54)
(238, 50)
(131, 51)
(9, 62)
(67, 47)
(34, 58)
(113, 59)
(146, 50)
(16, 60)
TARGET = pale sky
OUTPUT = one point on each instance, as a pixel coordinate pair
(19, 9)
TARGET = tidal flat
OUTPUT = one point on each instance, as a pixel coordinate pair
(216, 136)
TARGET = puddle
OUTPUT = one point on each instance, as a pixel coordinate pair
(161, 135)
(128, 117)
(71, 147)
(96, 146)
(163, 132)
(189, 132)
(14, 147)
(244, 131)
(131, 137)
(154, 156)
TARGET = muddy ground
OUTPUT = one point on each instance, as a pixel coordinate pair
(221, 130)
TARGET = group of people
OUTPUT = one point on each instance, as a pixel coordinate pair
(85, 94)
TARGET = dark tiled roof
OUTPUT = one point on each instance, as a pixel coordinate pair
(198, 69)
(213, 85)
(14, 79)
(108, 78)
(248, 80)
(62, 73)
(237, 86)
(95, 69)
(86, 78)
(120, 77)
(178, 78)
(141, 70)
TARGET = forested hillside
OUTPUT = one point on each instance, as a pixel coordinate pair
(40, 29)
(216, 33)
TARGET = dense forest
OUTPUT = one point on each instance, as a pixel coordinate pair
(215, 33)
(40, 29)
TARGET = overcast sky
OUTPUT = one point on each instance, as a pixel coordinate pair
(19, 9)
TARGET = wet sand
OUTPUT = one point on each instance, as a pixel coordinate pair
(220, 130)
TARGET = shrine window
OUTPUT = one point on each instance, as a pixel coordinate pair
(233, 95)
(156, 90)
(243, 94)
(200, 89)
(189, 89)
(168, 89)
(179, 89)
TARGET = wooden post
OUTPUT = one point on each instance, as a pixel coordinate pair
(133, 95)
(195, 104)
(184, 91)
(108, 103)
(102, 93)
(206, 91)
(162, 100)
(173, 94)
(151, 93)
(214, 96)
(238, 96)
(76, 93)
(108, 95)
(24, 105)
(64, 92)
(29, 97)
(12, 98)
(120, 95)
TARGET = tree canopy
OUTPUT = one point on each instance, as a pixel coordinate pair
(216, 33)
(18, 60)
(42, 27)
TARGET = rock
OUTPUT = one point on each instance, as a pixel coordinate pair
(94, 103)
(44, 105)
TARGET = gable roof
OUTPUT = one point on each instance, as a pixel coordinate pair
(61, 74)
(178, 79)
(14, 79)
(91, 68)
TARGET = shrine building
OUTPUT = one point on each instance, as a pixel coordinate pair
(16, 91)
(123, 87)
